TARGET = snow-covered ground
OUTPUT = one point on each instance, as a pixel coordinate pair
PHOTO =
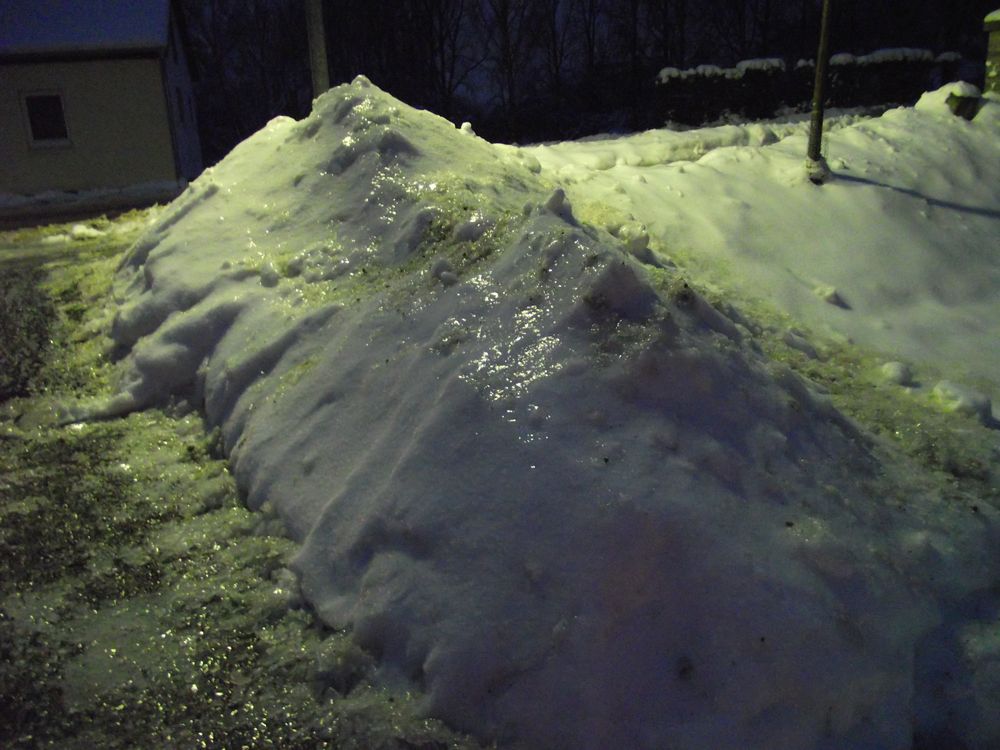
(899, 252)
(54, 205)
(544, 478)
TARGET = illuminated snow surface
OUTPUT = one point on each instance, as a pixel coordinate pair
(543, 479)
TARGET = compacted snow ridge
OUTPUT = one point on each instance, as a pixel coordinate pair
(541, 476)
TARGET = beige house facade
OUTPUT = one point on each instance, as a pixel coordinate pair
(95, 100)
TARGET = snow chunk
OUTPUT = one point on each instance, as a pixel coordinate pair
(634, 235)
(797, 341)
(831, 296)
(443, 271)
(898, 373)
(472, 229)
(84, 232)
(269, 275)
(620, 290)
(936, 102)
(958, 398)
(559, 205)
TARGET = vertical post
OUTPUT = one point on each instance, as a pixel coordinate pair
(317, 47)
(816, 166)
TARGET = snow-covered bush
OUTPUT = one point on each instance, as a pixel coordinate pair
(550, 484)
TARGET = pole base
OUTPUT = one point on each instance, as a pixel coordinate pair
(817, 170)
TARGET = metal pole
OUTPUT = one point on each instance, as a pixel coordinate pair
(815, 164)
(317, 47)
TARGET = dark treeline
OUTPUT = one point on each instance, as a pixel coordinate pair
(525, 69)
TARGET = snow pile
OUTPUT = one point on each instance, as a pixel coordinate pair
(528, 465)
(906, 234)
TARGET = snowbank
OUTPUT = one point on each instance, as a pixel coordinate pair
(906, 234)
(572, 161)
(529, 466)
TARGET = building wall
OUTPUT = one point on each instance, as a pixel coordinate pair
(116, 118)
(180, 94)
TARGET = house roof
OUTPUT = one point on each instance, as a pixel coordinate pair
(82, 28)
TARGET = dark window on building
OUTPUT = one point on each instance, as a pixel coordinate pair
(46, 117)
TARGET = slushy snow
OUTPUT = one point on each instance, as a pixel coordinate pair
(542, 477)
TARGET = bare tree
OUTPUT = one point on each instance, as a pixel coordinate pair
(729, 22)
(508, 33)
(669, 25)
(556, 39)
(250, 64)
(629, 25)
(591, 16)
(763, 26)
(451, 49)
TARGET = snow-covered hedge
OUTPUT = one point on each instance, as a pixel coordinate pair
(714, 71)
(759, 87)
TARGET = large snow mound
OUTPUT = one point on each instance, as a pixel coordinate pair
(544, 480)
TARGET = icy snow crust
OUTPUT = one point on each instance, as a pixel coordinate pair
(545, 481)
